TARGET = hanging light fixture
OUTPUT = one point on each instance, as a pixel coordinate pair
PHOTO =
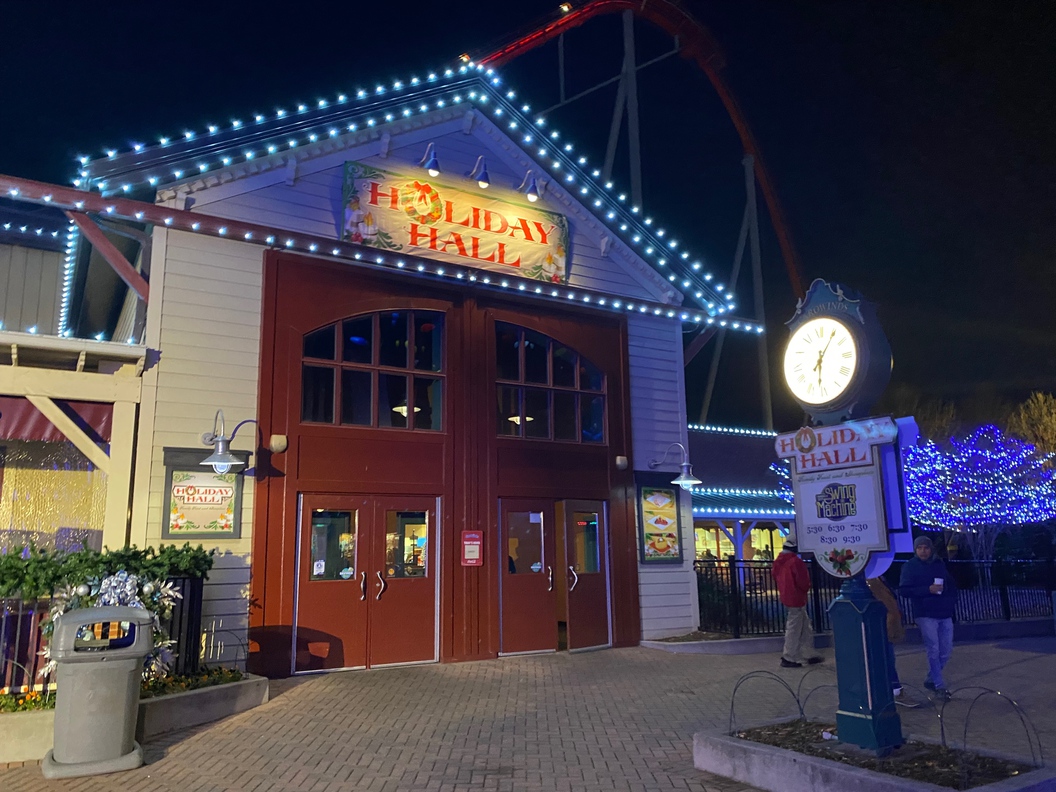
(402, 409)
(430, 162)
(529, 187)
(222, 460)
(517, 419)
(685, 479)
(480, 173)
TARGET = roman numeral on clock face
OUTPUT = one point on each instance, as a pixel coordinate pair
(845, 370)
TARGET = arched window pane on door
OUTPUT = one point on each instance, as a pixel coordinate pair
(545, 390)
(357, 372)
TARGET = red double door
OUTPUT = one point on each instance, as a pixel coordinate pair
(366, 581)
(555, 583)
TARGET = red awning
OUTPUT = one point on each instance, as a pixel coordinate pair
(20, 420)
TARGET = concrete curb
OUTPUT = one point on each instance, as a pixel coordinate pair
(164, 714)
(26, 736)
(769, 644)
(781, 770)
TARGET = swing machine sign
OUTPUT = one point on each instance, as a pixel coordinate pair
(838, 491)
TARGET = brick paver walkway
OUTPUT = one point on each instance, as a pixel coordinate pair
(612, 720)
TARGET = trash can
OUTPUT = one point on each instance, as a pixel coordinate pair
(97, 700)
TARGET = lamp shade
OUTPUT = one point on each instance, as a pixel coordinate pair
(686, 480)
(222, 460)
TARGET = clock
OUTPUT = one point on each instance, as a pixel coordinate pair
(837, 360)
(821, 360)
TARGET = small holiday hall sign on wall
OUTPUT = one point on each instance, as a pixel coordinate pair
(423, 216)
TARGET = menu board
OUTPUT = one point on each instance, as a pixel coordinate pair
(660, 531)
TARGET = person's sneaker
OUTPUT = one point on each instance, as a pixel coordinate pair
(929, 684)
(789, 664)
(897, 691)
(815, 660)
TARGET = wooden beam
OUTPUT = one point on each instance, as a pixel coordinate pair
(77, 385)
(73, 432)
(125, 271)
(698, 343)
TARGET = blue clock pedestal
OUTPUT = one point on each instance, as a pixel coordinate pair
(867, 715)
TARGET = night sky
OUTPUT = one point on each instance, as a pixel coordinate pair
(913, 144)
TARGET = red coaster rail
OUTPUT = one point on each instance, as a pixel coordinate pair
(698, 45)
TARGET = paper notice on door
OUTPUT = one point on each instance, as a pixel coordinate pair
(319, 568)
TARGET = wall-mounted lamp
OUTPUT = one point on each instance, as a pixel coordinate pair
(685, 479)
(529, 187)
(480, 173)
(430, 162)
(222, 459)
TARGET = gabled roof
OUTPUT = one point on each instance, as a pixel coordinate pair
(252, 144)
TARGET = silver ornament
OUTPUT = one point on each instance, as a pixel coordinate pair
(82, 590)
(148, 589)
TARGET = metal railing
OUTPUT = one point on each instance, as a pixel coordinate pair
(740, 597)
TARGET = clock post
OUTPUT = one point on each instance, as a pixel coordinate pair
(847, 480)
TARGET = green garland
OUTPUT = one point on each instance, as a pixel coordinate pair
(32, 573)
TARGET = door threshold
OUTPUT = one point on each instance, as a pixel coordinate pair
(597, 648)
(315, 671)
(405, 664)
(529, 652)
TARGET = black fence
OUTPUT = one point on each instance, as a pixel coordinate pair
(21, 641)
(740, 597)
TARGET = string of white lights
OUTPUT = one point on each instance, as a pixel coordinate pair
(117, 172)
(127, 209)
(731, 430)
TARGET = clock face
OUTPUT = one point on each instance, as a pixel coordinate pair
(821, 360)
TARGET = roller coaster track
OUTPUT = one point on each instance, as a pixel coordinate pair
(697, 45)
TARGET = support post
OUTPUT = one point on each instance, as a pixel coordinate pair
(867, 715)
(119, 479)
(633, 135)
(561, 66)
(757, 289)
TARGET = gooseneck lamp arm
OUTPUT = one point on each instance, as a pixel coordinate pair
(222, 460)
(685, 479)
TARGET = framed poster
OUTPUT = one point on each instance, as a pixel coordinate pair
(198, 501)
(659, 526)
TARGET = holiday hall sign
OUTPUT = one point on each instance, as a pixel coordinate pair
(839, 491)
(422, 216)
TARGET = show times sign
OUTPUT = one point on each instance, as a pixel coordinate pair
(427, 217)
(839, 490)
(842, 517)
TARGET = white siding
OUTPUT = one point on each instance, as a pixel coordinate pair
(30, 288)
(658, 419)
(205, 317)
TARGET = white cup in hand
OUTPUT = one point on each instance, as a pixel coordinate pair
(938, 582)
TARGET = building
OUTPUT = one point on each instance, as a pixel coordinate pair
(456, 359)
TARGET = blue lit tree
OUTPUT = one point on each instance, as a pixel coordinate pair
(977, 487)
(980, 486)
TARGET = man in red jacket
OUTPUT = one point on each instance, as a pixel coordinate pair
(793, 583)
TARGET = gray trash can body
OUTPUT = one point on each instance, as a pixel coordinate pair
(97, 700)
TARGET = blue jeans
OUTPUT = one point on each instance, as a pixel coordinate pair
(938, 643)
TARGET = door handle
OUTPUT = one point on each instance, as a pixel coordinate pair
(550, 578)
(362, 586)
(575, 580)
(382, 583)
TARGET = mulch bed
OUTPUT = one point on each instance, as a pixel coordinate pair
(918, 761)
